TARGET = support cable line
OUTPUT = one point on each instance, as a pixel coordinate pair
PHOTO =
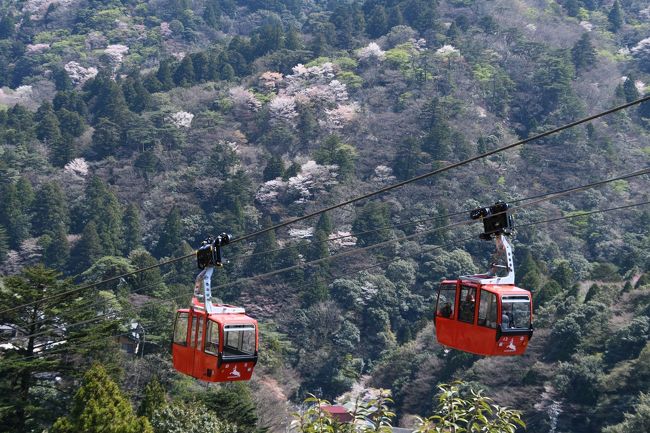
(529, 224)
(537, 199)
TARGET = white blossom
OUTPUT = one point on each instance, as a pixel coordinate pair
(283, 108)
(301, 233)
(245, 99)
(117, 52)
(346, 239)
(383, 174)
(312, 177)
(371, 52)
(531, 27)
(271, 80)
(78, 74)
(77, 166)
(165, 30)
(269, 192)
(37, 48)
(181, 119)
(340, 116)
(586, 25)
(447, 51)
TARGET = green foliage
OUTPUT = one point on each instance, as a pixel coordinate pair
(100, 406)
(334, 151)
(627, 342)
(188, 418)
(170, 234)
(615, 17)
(583, 53)
(461, 408)
(636, 421)
(236, 407)
(154, 399)
(372, 224)
(579, 379)
(12, 215)
(132, 228)
(50, 210)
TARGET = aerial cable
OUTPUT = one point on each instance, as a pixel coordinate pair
(373, 193)
(533, 223)
(441, 170)
(540, 198)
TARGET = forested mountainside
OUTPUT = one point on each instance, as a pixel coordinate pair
(130, 131)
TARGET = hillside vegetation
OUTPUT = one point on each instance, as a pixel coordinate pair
(130, 131)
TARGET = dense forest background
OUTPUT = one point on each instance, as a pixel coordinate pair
(129, 131)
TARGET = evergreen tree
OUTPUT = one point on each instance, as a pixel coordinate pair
(22, 408)
(170, 236)
(374, 217)
(25, 193)
(377, 24)
(12, 216)
(107, 138)
(615, 17)
(4, 244)
(151, 281)
(629, 90)
(7, 26)
(583, 53)
(154, 399)
(47, 129)
(164, 75)
(57, 251)
(50, 210)
(200, 65)
(70, 122)
(407, 159)
(274, 168)
(334, 151)
(644, 108)
(102, 207)
(61, 151)
(136, 94)
(212, 14)
(87, 250)
(292, 39)
(100, 407)
(184, 74)
(264, 259)
(110, 102)
(132, 228)
(62, 80)
(324, 224)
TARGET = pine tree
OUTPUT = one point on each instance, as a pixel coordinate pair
(87, 250)
(615, 17)
(47, 129)
(212, 14)
(107, 138)
(407, 159)
(4, 244)
(61, 151)
(151, 281)
(110, 103)
(50, 210)
(102, 207)
(374, 217)
(154, 399)
(164, 75)
(71, 123)
(132, 228)
(12, 216)
(324, 224)
(377, 24)
(265, 256)
(583, 53)
(274, 168)
(7, 26)
(184, 74)
(100, 407)
(57, 251)
(644, 108)
(292, 40)
(25, 193)
(62, 80)
(629, 89)
(170, 235)
(40, 320)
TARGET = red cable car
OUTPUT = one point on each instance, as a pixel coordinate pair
(486, 314)
(213, 342)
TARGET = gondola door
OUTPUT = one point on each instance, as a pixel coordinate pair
(445, 314)
(197, 343)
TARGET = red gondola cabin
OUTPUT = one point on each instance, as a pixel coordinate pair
(486, 314)
(213, 342)
(218, 347)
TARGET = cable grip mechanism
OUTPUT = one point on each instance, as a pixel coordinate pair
(209, 253)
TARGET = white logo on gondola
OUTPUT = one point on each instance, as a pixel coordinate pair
(511, 346)
(234, 372)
